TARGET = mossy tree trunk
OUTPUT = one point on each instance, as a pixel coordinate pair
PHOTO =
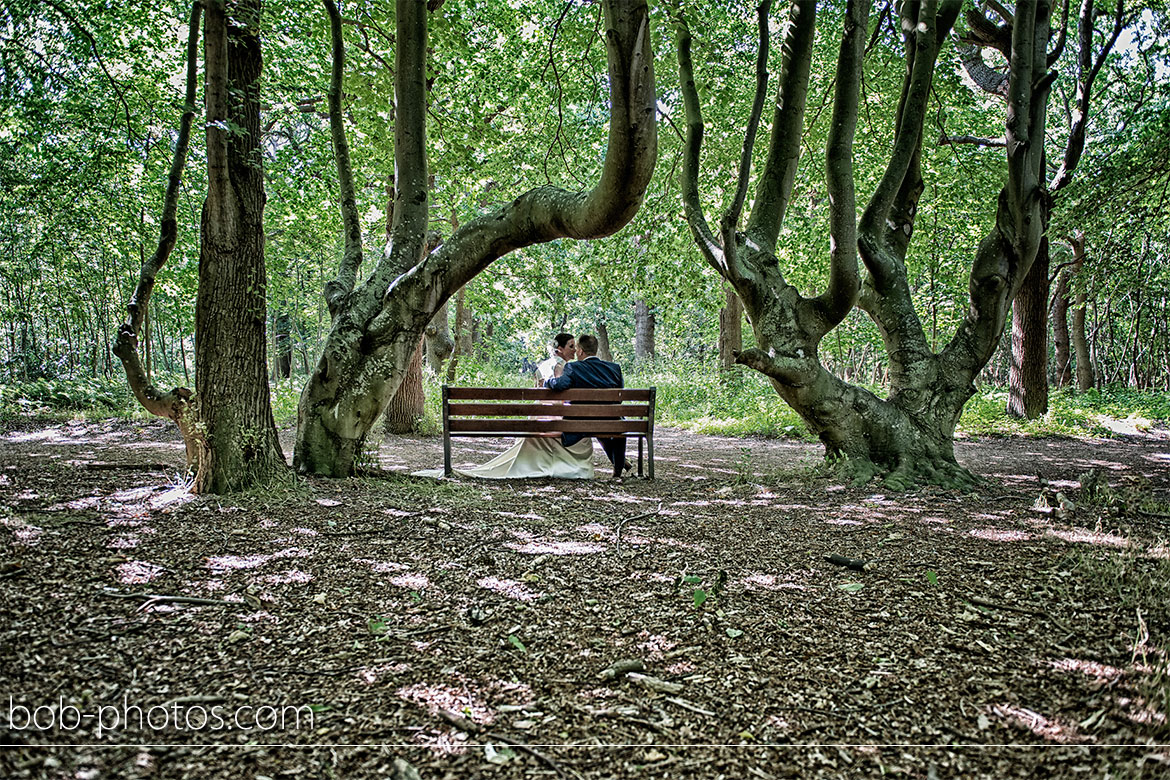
(377, 325)
(227, 426)
(907, 436)
(231, 368)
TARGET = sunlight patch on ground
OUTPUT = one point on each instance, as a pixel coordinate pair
(169, 499)
(1000, 535)
(133, 495)
(125, 542)
(292, 552)
(410, 581)
(843, 521)
(655, 645)
(510, 588)
(937, 520)
(1133, 425)
(1052, 729)
(305, 531)
(224, 562)
(289, 576)
(651, 576)
(138, 572)
(1084, 536)
(790, 581)
(1102, 674)
(263, 616)
(526, 516)
(382, 567)
(437, 697)
(566, 547)
(1141, 711)
(27, 535)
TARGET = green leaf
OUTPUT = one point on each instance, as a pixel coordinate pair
(734, 633)
(692, 579)
(699, 596)
(851, 587)
(516, 643)
(377, 627)
(931, 577)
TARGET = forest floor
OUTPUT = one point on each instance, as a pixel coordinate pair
(463, 628)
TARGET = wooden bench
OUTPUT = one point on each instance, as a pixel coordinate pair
(526, 411)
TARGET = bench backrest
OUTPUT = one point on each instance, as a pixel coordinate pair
(476, 411)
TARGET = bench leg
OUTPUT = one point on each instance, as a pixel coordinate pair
(447, 456)
(640, 440)
(650, 455)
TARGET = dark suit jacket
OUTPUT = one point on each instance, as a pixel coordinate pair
(590, 372)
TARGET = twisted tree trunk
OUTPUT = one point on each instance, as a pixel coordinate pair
(906, 437)
(376, 326)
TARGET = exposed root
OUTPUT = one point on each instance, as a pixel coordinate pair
(910, 472)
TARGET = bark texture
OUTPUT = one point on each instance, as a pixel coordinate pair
(906, 437)
(282, 342)
(1062, 355)
(240, 447)
(408, 405)
(439, 344)
(1086, 379)
(603, 350)
(643, 332)
(1028, 376)
(377, 325)
(730, 329)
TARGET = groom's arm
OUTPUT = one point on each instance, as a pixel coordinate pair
(562, 382)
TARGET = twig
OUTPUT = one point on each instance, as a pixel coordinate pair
(106, 466)
(14, 573)
(150, 599)
(979, 602)
(471, 727)
(541, 757)
(686, 705)
(617, 545)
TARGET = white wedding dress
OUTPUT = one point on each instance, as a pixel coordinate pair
(533, 456)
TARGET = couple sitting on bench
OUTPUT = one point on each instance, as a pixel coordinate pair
(565, 455)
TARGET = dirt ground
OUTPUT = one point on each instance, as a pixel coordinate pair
(464, 629)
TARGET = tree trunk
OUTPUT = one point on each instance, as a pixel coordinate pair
(240, 447)
(730, 328)
(643, 332)
(408, 405)
(462, 337)
(439, 344)
(1060, 335)
(282, 326)
(906, 437)
(1028, 380)
(603, 350)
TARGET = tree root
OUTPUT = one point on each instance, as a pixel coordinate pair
(912, 471)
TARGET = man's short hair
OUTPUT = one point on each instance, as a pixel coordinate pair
(587, 344)
(562, 339)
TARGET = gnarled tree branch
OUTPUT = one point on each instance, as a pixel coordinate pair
(173, 404)
(338, 288)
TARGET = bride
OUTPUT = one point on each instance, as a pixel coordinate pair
(542, 455)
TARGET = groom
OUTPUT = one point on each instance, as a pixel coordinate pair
(588, 370)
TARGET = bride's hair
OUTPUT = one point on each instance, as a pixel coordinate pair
(560, 340)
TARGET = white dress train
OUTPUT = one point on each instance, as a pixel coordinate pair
(533, 456)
